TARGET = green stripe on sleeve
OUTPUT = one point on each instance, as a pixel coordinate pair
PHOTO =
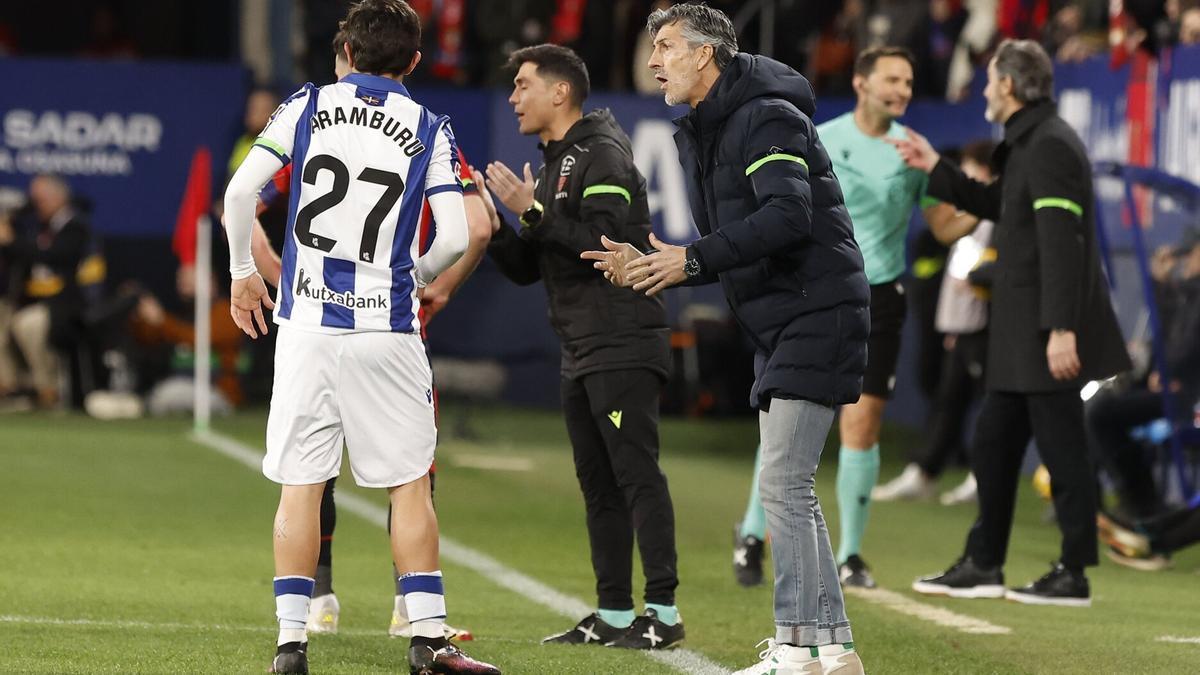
(776, 157)
(271, 145)
(607, 190)
(1058, 203)
(928, 201)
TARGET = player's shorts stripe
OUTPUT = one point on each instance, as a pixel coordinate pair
(776, 157)
(607, 190)
(1058, 203)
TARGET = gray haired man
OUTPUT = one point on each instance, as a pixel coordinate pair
(778, 238)
(1052, 328)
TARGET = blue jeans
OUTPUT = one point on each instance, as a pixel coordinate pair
(809, 609)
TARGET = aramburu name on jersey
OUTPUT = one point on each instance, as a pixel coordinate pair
(306, 289)
(373, 119)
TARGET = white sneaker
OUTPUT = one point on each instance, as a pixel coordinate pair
(965, 493)
(400, 627)
(779, 659)
(912, 483)
(840, 659)
(323, 614)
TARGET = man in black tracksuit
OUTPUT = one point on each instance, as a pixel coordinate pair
(1052, 328)
(615, 353)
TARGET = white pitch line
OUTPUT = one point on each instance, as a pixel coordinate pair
(1178, 640)
(172, 626)
(495, 571)
(939, 615)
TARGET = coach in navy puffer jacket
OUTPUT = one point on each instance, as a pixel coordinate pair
(776, 232)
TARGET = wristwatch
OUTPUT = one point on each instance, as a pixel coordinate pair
(692, 265)
(532, 215)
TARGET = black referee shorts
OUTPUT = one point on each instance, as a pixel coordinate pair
(888, 307)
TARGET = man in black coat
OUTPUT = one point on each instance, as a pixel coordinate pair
(615, 353)
(778, 238)
(1053, 327)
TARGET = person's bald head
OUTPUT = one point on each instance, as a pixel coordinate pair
(49, 194)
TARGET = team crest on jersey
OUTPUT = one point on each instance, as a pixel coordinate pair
(564, 172)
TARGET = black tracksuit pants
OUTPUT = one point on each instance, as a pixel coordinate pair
(612, 420)
(1055, 420)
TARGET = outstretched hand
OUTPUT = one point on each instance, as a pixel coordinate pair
(613, 259)
(513, 192)
(915, 150)
(247, 297)
(657, 271)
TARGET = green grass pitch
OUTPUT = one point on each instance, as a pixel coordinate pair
(129, 548)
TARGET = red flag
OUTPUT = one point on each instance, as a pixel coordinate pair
(197, 196)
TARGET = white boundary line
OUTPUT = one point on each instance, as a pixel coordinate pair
(1178, 640)
(506, 577)
(939, 615)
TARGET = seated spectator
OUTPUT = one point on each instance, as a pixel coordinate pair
(168, 344)
(1147, 545)
(1113, 412)
(50, 252)
(1189, 25)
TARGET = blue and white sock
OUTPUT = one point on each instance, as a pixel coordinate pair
(292, 597)
(668, 614)
(425, 600)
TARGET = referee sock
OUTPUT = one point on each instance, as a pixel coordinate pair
(292, 597)
(858, 471)
(754, 522)
(425, 600)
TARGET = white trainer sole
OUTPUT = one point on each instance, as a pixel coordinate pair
(989, 592)
(1027, 599)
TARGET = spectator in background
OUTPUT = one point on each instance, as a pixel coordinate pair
(8, 287)
(503, 26)
(1078, 30)
(1112, 413)
(50, 253)
(168, 344)
(935, 49)
(973, 43)
(1189, 25)
(260, 105)
(961, 316)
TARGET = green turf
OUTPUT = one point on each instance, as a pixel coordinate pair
(159, 550)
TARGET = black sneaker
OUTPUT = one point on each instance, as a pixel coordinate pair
(590, 630)
(290, 657)
(1059, 586)
(854, 572)
(747, 558)
(427, 657)
(647, 632)
(964, 579)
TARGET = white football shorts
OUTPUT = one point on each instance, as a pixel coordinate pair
(374, 390)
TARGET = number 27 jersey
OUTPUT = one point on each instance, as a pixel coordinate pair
(364, 156)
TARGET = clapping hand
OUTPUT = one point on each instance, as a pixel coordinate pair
(613, 259)
(657, 271)
(514, 193)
